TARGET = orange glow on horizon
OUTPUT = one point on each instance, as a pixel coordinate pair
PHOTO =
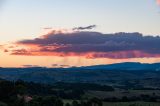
(18, 54)
(48, 61)
(88, 55)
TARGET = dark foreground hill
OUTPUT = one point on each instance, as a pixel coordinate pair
(121, 74)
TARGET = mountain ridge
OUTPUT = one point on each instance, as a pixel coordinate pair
(97, 74)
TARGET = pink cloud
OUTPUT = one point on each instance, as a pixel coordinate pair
(89, 44)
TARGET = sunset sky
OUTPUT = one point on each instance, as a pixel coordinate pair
(61, 33)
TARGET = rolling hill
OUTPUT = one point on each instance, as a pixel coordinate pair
(118, 74)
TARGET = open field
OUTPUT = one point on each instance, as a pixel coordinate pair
(121, 93)
(138, 103)
(131, 104)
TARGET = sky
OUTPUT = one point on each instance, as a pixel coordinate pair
(58, 33)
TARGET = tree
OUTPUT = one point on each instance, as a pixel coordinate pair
(2, 104)
(20, 89)
(75, 103)
(67, 104)
(20, 102)
(96, 101)
(58, 102)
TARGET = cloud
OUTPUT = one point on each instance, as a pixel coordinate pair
(84, 28)
(57, 65)
(5, 50)
(90, 45)
(47, 28)
(30, 66)
(21, 52)
(1, 46)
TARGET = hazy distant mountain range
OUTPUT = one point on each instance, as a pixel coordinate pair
(127, 66)
(114, 74)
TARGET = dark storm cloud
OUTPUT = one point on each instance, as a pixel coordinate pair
(84, 28)
(129, 45)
